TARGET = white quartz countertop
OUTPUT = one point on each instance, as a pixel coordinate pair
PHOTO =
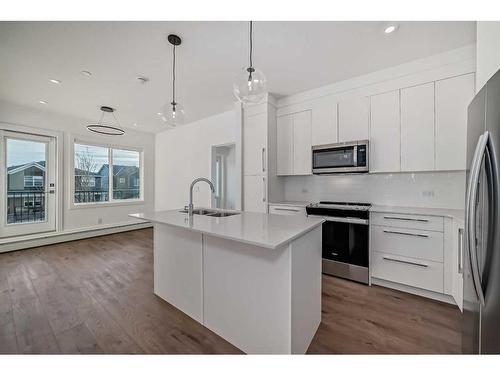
(446, 212)
(263, 230)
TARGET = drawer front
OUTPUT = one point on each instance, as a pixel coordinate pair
(418, 273)
(287, 210)
(408, 242)
(421, 222)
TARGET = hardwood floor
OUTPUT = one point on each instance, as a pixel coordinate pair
(96, 296)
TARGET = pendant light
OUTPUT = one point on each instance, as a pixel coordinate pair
(250, 85)
(102, 128)
(172, 112)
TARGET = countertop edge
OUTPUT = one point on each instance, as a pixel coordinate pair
(248, 242)
(453, 213)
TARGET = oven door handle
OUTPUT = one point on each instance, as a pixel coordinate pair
(349, 220)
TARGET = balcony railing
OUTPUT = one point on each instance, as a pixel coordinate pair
(93, 196)
(25, 206)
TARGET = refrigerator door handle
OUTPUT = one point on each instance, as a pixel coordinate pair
(479, 155)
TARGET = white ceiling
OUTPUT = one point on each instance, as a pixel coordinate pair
(295, 56)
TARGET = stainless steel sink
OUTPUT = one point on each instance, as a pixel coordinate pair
(223, 214)
(200, 211)
(212, 213)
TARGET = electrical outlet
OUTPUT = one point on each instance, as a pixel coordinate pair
(99, 220)
(428, 193)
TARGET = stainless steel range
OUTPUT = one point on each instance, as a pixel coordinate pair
(345, 238)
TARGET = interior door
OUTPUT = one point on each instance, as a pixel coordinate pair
(27, 178)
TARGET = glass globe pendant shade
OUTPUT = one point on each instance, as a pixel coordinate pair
(171, 115)
(250, 86)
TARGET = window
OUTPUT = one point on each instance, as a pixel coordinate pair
(125, 171)
(97, 166)
(33, 181)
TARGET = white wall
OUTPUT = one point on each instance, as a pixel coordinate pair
(488, 51)
(437, 189)
(17, 117)
(184, 153)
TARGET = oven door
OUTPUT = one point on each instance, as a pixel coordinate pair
(346, 241)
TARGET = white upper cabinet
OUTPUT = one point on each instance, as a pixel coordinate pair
(284, 145)
(353, 119)
(302, 152)
(417, 128)
(255, 144)
(385, 142)
(453, 95)
(324, 121)
(294, 144)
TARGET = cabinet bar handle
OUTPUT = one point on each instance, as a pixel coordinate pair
(263, 159)
(460, 250)
(285, 209)
(263, 189)
(405, 218)
(406, 234)
(406, 262)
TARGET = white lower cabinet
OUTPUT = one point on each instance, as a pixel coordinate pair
(418, 273)
(420, 254)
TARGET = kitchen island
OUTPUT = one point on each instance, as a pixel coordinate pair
(252, 278)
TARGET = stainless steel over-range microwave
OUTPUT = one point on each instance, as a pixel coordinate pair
(346, 157)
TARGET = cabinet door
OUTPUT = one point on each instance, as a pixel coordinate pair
(284, 145)
(255, 194)
(417, 128)
(353, 119)
(324, 122)
(255, 144)
(385, 138)
(453, 95)
(302, 153)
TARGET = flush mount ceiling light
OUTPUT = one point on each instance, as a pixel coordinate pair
(172, 112)
(250, 85)
(55, 81)
(101, 128)
(390, 29)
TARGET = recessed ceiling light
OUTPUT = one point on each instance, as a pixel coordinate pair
(134, 124)
(56, 81)
(160, 114)
(42, 102)
(390, 29)
(86, 73)
(142, 80)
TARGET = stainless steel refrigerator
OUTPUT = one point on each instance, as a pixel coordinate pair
(481, 273)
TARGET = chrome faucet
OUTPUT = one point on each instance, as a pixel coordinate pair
(190, 207)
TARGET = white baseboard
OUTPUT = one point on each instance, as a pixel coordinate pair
(50, 238)
(412, 290)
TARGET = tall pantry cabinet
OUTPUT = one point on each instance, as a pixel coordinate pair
(260, 184)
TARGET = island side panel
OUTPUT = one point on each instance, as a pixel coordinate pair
(306, 254)
(178, 269)
(247, 295)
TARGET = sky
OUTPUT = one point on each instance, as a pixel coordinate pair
(22, 152)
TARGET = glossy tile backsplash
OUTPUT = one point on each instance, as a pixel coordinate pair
(424, 189)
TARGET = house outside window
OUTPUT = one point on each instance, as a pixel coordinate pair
(105, 174)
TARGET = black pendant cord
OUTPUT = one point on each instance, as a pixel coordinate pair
(173, 81)
(251, 43)
(250, 69)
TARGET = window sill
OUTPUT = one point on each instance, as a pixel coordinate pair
(127, 202)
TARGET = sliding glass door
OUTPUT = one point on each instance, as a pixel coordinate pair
(27, 180)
